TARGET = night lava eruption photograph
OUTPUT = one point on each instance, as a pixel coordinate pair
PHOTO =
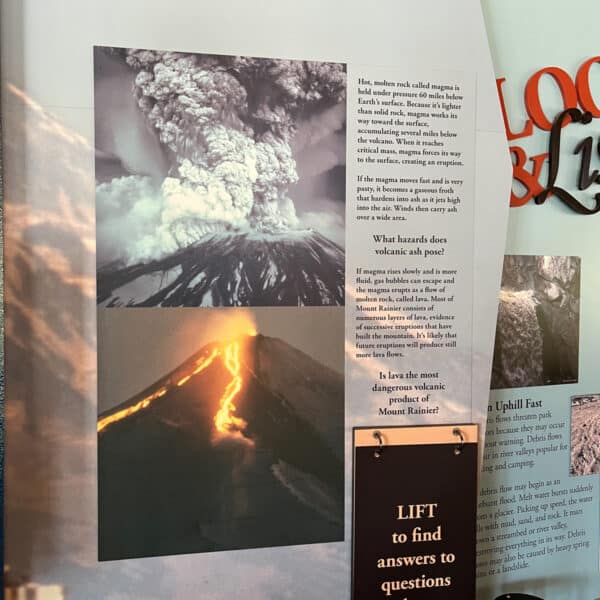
(537, 332)
(219, 429)
(220, 180)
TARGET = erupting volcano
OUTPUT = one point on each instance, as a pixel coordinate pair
(239, 447)
(235, 192)
(226, 422)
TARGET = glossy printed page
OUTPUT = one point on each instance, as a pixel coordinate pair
(539, 504)
(72, 363)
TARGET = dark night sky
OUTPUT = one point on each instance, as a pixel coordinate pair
(136, 346)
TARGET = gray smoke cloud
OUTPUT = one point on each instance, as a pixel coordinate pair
(228, 126)
(121, 130)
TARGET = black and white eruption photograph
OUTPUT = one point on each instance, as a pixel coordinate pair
(219, 430)
(537, 332)
(220, 180)
(585, 434)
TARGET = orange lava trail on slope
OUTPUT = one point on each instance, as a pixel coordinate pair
(130, 410)
(225, 421)
(202, 363)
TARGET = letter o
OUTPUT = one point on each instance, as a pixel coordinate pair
(532, 96)
(582, 81)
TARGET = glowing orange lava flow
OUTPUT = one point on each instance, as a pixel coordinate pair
(225, 421)
(202, 363)
(126, 412)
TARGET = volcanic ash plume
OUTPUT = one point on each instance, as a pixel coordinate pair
(227, 124)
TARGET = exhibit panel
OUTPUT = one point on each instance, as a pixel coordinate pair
(539, 499)
(234, 234)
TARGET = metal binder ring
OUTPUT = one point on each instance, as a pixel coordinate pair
(377, 435)
(459, 447)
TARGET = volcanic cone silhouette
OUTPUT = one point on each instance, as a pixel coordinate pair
(239, 447)
(296, 268)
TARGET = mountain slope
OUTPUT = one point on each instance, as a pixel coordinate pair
(168, 483)
(298, 268)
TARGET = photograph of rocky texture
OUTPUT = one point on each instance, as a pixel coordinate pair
(585, 434)
(220, 180)
(537, 332)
